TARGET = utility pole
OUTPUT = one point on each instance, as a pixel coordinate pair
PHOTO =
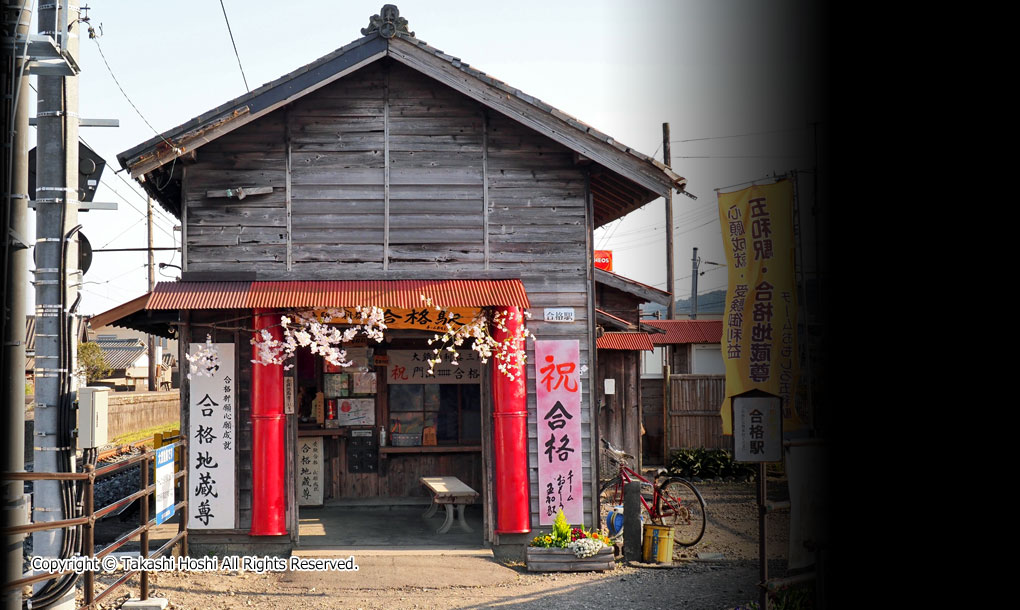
(152, 282)
(17, 20)
(694, 285)
(670, 281)
(56, 280)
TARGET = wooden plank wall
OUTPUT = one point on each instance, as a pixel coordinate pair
(619, 413)
(652, 417)
(399, 476)
(694, 412)
(230, 234)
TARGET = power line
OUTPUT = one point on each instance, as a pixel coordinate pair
(131, 226)
(114, 77)
(229, 31)
(742, 135)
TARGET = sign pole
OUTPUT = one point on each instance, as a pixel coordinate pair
(763, 543)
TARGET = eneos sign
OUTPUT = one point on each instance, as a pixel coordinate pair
(604, 260)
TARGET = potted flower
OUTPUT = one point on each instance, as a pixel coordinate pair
(568, 549)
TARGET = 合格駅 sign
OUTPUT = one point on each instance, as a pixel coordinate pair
(757, 429)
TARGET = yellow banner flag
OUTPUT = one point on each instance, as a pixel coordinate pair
(759, 341)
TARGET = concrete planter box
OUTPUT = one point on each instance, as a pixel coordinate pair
(564, 560)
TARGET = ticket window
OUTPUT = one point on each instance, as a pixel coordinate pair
(435, 414)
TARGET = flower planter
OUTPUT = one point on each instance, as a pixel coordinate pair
(563, 560)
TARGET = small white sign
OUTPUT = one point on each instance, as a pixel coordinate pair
(165, 483)
(757, 429)
(610, 386)
(288, 395)
(559, 314)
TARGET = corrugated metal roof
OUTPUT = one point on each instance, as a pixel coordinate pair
(625, 341)
(299, 294)
(199, 295)
(686, 331)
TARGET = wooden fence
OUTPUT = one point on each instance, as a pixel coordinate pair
(694, 420)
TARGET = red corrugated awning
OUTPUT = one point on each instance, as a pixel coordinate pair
(625, 341)
(686, 331)
(321, 294)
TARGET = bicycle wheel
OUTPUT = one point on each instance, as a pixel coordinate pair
(681, 507)
(611, 496)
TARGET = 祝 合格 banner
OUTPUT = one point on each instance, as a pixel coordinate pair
(759, 342)
(558, 399)
(211, 437)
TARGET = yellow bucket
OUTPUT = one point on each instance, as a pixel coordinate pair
(658, 544)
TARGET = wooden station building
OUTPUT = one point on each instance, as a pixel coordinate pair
(383, 171)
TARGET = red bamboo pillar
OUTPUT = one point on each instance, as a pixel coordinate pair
(510, 431)
(268, 505)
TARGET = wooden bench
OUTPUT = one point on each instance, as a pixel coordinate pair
(449, 492)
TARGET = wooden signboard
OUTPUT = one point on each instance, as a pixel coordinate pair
(310, 478)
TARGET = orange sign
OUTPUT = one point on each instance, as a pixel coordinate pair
(604, 260)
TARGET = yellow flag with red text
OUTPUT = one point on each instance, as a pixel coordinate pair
(759, 342)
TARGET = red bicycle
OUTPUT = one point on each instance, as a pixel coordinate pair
(674, 502)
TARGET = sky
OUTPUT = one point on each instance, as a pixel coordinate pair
(733, 78)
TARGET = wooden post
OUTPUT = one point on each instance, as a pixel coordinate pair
(763, 600)
(89, 531)
(670, 281)
(144, 521)
(632, 521)
(152, 282)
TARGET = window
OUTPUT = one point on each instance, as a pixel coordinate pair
(452, 411)
(651, 363)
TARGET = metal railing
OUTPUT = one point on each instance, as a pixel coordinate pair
(88, 521)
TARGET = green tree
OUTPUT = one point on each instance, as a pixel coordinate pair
(91, 363)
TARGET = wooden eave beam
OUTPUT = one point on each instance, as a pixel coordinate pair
(645, 292)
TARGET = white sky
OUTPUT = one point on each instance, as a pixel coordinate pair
(710, 68)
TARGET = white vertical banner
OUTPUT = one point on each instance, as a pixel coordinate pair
(558, 399)
(211, 435)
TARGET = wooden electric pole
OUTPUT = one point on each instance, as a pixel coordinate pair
(670, 281)
(152, 282)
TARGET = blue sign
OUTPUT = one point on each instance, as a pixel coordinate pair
(165, 483)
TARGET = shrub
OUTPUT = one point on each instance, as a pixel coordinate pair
(707, 464)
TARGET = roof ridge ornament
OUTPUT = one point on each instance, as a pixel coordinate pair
(388, 23)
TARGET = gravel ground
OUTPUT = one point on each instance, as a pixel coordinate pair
(726, 581)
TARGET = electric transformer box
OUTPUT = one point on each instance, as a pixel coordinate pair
(93, 416)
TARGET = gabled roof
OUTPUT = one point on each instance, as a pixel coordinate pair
(686, 331)
(121, 357)
(632, 179)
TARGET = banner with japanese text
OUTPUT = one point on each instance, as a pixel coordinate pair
(558, 401)
(211, 436)
(411, 366)
(423, 318)
(759, 342)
